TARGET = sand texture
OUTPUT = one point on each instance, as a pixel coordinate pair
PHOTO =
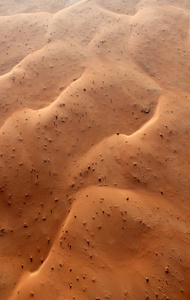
(94, 150)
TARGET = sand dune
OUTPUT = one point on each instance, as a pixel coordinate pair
(94, 150)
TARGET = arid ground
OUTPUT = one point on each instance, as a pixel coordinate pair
(95, 149)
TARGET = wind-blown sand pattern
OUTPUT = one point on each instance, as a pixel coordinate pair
(94, 150)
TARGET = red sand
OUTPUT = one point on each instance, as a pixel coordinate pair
(94, 150)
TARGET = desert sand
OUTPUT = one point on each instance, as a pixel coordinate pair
(94, 150)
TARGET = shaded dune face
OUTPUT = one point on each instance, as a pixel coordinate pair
(94, 156)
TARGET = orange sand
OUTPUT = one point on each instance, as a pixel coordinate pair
(94, 150)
